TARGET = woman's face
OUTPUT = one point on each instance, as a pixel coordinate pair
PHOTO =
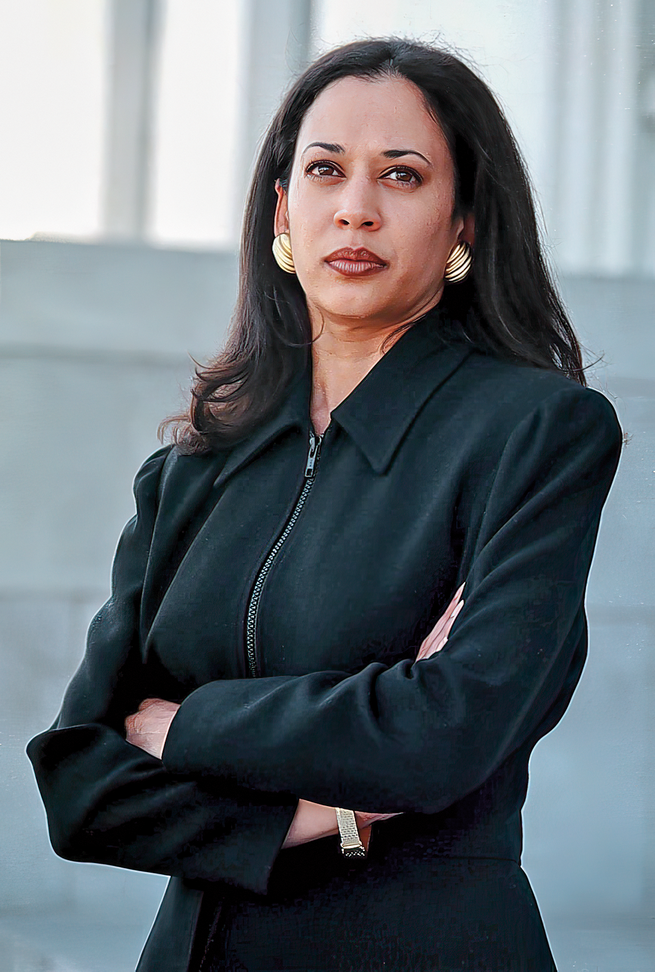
(372, 175)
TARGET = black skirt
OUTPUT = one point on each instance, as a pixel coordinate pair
(444, 913)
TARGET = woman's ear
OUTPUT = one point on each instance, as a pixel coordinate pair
(468, 230)
(281, 221)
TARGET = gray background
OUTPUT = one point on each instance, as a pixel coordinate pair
(94, 350)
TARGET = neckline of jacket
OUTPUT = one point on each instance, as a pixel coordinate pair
(378, 412)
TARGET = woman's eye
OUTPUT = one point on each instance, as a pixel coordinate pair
(406, 176)
(325, 169)
(322, 169)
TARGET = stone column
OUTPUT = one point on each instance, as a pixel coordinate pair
(134, 35)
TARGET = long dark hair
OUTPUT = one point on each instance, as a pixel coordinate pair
(508, 306)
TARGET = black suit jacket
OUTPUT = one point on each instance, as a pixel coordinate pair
(443, 466)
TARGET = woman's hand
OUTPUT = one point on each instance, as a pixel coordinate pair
(148, 727)
(439, 634)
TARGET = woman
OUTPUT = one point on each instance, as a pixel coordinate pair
(399, 415)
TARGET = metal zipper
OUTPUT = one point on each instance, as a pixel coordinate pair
(253, 605)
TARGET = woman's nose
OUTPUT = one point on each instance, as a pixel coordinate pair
(357, 209)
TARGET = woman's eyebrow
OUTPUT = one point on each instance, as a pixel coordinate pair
(389, 154)
(397, 153)
(328, 146)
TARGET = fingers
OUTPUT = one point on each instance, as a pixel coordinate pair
(133, 727)
(447, 617)
(148, 727)
(456, 597)
(451, 620)
(443, 625)
(133, 722)
(438, 637)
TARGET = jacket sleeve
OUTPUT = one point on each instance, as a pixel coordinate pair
(110, 802)
(421, 735)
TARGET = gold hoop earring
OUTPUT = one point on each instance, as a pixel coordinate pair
(282, 253)
(458, 263)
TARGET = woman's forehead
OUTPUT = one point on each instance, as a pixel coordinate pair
(388, 111)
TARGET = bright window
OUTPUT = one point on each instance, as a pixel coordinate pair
(52, 110)
(197, 136)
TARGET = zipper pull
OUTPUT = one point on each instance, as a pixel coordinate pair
(312, 455)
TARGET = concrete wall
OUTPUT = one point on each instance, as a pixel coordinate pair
(94, 352)
(589, 822)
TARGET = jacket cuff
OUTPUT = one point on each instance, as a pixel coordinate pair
(245, 857)
(191, 743)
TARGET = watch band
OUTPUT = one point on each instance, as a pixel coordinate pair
(351, 844)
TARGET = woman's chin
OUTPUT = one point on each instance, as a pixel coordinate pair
(374, 315)
(376, 312)
(358, 304)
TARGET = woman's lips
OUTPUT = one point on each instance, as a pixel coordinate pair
(355, 262)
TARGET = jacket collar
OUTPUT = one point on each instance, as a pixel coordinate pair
(293, 413)
(379, 411)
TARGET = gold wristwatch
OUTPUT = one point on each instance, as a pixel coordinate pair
(351, 844)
